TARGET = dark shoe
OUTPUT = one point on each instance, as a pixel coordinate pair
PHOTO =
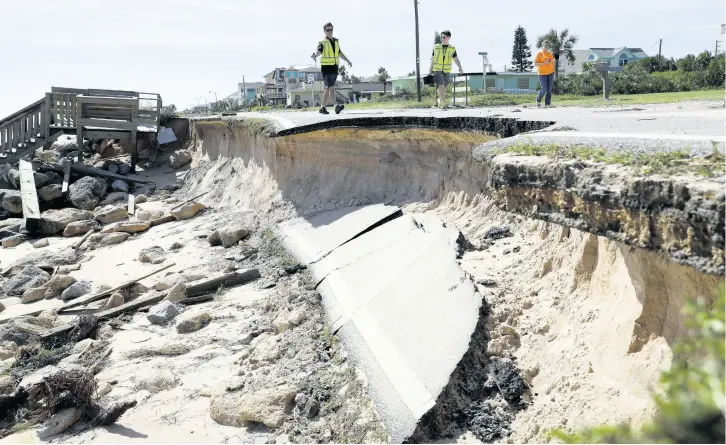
(339, 108)
(323, 110)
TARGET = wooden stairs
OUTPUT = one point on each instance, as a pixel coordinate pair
(93, 114)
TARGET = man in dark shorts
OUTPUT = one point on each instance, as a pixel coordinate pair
(441, 59)
(329, 48)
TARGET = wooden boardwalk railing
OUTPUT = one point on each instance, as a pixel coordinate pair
(122, 112)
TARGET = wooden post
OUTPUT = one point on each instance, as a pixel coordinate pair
(31, 210)
(134, 151)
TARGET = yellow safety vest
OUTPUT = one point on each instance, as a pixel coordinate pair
(442, 59)
(330, 56)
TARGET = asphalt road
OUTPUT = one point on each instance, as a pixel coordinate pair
(693, 125)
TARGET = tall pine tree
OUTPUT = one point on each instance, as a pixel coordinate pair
(521, 53)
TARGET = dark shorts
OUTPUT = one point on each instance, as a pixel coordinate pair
(441, 79)
(329, 79)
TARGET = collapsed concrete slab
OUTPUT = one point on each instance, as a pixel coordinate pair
(403, 308)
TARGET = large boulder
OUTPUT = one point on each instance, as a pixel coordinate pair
(86, 192)
(269, 406)
(163, 312)
(64, 145)
(110, 214)
(75, 290)
(179, 159)
(77, 228)
(50, 192)
(28, 277)
(178, 292)
(14, 240)
(12, 201)
(33, 294)
(124, 169)
(55, 221)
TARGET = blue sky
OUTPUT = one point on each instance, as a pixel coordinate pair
(183, 49)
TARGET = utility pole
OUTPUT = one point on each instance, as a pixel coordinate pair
(418, 60)
(715, 53)
(660, 43)
(244, 91)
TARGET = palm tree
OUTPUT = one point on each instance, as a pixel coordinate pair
(560, 43)
(383, 77)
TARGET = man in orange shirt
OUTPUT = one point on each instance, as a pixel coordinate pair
(545, 63)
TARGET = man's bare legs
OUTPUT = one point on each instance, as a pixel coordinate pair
(442, 96)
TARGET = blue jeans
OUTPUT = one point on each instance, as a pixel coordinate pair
(546, 83)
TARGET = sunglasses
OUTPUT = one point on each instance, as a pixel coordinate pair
(329, 30)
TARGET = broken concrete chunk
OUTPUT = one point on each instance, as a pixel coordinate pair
(113, 198)
(33, 294)
(41, 243)
(161, 381)
(214, 239)
(153, 255)
(268, 406)
(143, 215)
(232, 235)
(13, 241)
(115, 300)
(192, 322)
(126, 226)
(55, 221)
(141, 199)
(163, 312)
(187, 210)
(289, 319)
(136, 290)
(58, 284)
(76, 290)
(29, 277)
(177, 293)
(104, 239)
(179, 159)
(78, 228)
(110, 214)
(46, 318)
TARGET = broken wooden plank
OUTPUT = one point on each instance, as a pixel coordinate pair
(229, 280)
(66, 177)
(196, 300)
(132, 204)
(95, 297)
(105, 315)
(162, 220)
(31, 209)
(29, 328)
(93, 171)
(188, 201)
(80, 242)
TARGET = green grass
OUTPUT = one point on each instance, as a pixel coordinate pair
(566, 100)
(674, 162)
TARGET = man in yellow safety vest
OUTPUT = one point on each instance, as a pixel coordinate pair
(441, 59)
(329, 48)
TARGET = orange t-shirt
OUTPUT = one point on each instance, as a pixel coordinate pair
(542, 57)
